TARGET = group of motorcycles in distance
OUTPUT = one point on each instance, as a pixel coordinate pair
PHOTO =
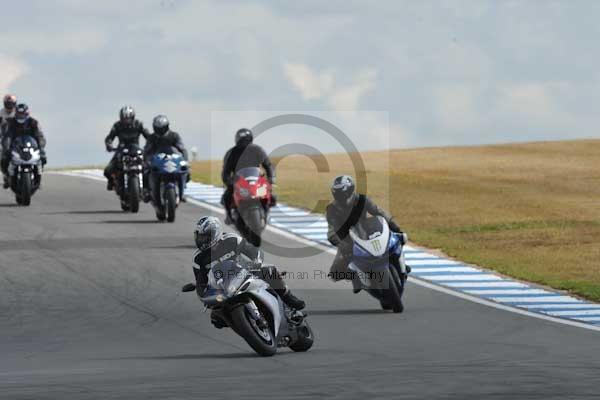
(167, 179)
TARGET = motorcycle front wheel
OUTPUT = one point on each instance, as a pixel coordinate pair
(253, 219)
(171, 204)
(134, 193)
(262, 340)
(25, 189)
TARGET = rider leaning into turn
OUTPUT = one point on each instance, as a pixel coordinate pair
(216, 246)
(345, 211)
(21, 125)
(128, 130)
(161, 138)
(244, 154)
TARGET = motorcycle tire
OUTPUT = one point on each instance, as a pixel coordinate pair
(134, 193)
(305, 338)
(171, 204)
(245, 326)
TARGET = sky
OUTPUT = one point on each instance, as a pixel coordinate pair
(404, 73)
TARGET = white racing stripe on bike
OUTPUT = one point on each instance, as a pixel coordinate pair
(429, 270)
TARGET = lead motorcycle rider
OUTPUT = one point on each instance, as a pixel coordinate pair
(345, 211)
(21, 125)
(128, 130)
(244, 154)
(214, 246)
(161, 138)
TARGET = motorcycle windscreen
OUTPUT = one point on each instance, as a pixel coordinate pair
(372, 235)
(249, 173)
(227, 276)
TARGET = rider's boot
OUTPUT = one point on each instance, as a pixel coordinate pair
(109, 184)
(292, 301)
(6, 183)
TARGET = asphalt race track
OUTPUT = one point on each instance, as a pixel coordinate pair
(91, 308)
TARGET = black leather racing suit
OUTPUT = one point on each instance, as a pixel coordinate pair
(340, 220)
(238, 157)
(156, 142)
(231, 246)
(127, 134)
(30, 127)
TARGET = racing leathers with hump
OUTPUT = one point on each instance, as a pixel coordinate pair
(345, 211)
(244, 154)
(128, 130)
(214, 246)
(161, 138)
(21, 125)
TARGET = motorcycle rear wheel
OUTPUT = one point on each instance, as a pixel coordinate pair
(305, 338)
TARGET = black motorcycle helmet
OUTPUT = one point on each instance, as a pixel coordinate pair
(243, 137)
(21, 113)
(127, 115)
(160, 124)
(343, 191)
(207, 233)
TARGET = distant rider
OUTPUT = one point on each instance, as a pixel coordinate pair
(162, 137)
(215, 246)
(10, 103)
(21, 125)
(244, 154)
(128, 130)
(345, 211)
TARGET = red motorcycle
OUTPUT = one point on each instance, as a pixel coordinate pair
(252, 198)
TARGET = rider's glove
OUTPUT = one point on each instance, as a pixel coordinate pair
(403, 238)
(109, 148)
(394, 226)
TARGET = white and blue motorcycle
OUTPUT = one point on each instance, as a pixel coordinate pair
(25, 169)
(253, 310)
(168, 176)
(378, 266)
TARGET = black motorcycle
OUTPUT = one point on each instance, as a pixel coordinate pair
(25, 169)
(128, 176)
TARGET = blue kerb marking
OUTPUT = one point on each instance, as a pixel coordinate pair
(313, 227)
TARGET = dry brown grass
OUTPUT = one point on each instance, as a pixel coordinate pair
(527, 210)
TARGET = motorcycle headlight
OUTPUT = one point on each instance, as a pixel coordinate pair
(244, 192)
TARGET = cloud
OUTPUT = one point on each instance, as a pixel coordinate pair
(10, 70)
(310, 84)
(314, 85)
(349, 97)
